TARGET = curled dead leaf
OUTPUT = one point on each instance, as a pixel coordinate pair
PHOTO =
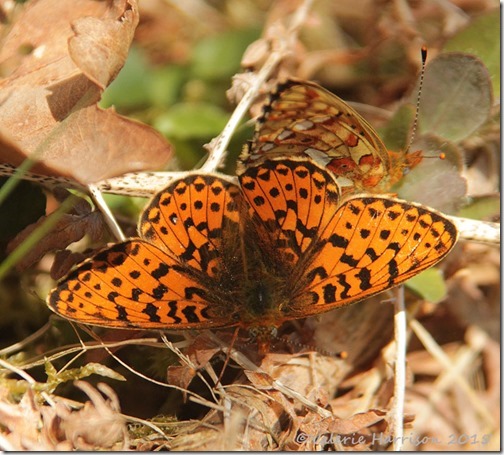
(357, 422)
(98, 424)
(68, 229)
(64, 260)
(48, 99)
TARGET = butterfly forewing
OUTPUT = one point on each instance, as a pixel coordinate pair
(292, 200)
(172, 278)
(190, 219)
(373, 244)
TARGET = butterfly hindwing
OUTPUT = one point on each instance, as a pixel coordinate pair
(302, 119)
(135, 284)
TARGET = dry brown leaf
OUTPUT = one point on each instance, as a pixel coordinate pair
(314, 376)
(446, 416)
(474, 289)
(68, 229)
(356, 423)
(252, 423)
(269, 420)
(424, 364)
(31, 426)
(260, 380)
(64, 260)
(315, 433)
(200, 352)
(48, 99)
(180, 376)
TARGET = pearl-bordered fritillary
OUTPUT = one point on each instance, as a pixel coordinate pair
(301, 118)
(281, 245)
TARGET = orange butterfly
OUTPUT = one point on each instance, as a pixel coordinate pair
(280, 245)
(303, 119)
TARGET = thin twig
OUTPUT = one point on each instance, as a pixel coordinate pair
(453, 369)
(476, 230)
(100, 203)
(19, 346)
(219, 145)
(400, 369)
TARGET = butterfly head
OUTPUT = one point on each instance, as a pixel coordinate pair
(263, 335)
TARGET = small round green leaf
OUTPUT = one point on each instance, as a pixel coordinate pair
(429, 284)
(456, 96)
(481, 38)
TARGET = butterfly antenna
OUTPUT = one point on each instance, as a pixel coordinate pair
(339, 355)
(419, 94)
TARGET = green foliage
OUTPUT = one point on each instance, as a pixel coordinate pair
(133, 80)
(191, 121)
(186, 103)
(480, 40)
(218, 57)
(55, 378)
(396, 133)
(429, 285)
(456, 98)
(139, 84)
(481, 208)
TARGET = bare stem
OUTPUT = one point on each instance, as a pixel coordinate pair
(219, 145)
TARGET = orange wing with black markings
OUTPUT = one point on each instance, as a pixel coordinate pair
(283, 247)
(370, 245)
(293, 200)
(134, 284)
(189, 219)
(170, 278)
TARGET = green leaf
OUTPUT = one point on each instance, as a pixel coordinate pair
(191, 120)
(190, 153)
(456, 96)
(395, 134)
(481, 38)
(131, 86)
(125, 205)
(219, 56)
(482, 208)
(429, 284)
(165, 85)
(54, 378)
(435, 182)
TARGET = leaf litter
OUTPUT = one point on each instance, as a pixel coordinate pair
(297, 397)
